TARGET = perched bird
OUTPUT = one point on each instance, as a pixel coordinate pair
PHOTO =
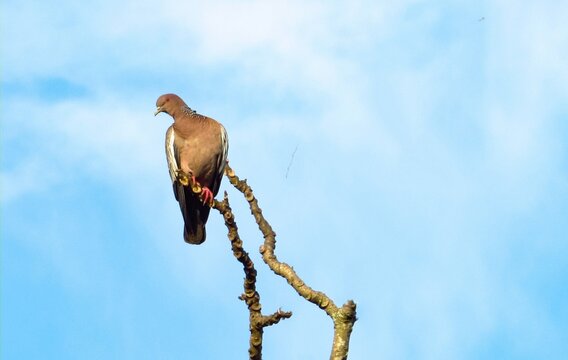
(196, 147)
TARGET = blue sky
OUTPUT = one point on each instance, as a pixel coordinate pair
(430, 181)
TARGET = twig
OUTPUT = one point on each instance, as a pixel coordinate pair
(343, 317)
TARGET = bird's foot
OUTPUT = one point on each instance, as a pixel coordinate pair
(189, 180)
(206, 195)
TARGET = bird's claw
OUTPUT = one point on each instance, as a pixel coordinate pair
(206, 195)
(184, 179)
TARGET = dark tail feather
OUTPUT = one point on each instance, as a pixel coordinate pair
(195, 215)
(194, 236)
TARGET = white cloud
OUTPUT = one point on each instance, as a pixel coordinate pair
(34, 176)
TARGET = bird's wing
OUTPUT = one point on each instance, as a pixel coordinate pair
(221, 160)
(172, 155)
(194, 213)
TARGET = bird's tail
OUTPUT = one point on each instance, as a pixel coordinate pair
(195, 215)
(195, 235)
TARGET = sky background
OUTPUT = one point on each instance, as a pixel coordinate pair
(429, 181)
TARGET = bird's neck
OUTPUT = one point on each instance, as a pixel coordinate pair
(187, 111)
(187, 121)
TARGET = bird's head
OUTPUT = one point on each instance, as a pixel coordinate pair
(168, 103)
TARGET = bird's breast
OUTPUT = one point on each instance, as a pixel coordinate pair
(198, 152)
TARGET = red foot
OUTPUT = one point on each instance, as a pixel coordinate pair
(206, 195)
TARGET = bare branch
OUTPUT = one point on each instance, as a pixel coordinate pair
(343, 317)
(257, 321)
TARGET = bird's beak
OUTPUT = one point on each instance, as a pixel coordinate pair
(158, 110)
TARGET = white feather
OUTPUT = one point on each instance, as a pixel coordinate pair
(171, 154)
(225, 145)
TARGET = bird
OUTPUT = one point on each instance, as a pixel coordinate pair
(196, 146)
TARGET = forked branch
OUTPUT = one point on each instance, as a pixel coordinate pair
(343, 317)
(257, 321)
